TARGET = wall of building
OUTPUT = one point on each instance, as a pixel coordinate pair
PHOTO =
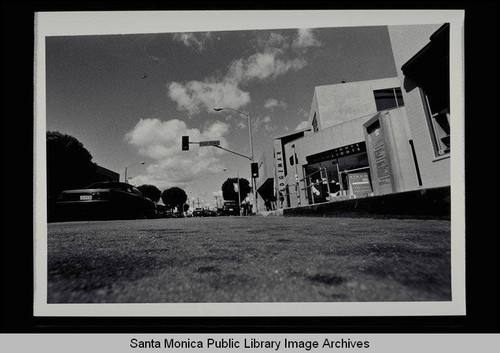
(266, 166)
(333, 137)
(338, 103)
(406, 41)
(389, 153)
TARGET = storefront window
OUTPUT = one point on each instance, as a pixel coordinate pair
(328, 179)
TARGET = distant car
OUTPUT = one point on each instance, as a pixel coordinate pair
(210, 213)
(178, 214)
(104, 200)
(231, 208)
(163, 212)
(198, 212)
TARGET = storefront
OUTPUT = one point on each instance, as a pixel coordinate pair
(337, 173)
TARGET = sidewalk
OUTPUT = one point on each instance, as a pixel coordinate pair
(431, 203)
(270, 213)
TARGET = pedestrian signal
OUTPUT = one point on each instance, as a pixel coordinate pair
(185, 143)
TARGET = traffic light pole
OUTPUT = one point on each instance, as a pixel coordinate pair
(239, 154)
(186, 143)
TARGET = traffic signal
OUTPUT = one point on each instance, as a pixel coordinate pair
(255, 170)
(185, 143)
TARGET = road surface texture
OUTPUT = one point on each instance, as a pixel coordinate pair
(249, 259)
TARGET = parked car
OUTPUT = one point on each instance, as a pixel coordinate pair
(163, 212)
(198, 212)
(210, 213)
(231, 208)
(104, 200)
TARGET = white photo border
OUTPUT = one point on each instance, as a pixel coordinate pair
(124, 22)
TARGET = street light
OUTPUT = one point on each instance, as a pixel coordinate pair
(254, 185)
(129, 167)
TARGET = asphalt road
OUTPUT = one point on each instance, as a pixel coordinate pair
(249, 259)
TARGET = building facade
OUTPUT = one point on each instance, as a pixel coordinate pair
(372, 137)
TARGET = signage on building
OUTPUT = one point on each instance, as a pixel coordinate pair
(380, 157)
(343, 151)
(279, 165)
(360, 184)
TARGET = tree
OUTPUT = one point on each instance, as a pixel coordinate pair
(174, 197)
(229, 189)
(185, 208)
(69, 164)
(151, 192)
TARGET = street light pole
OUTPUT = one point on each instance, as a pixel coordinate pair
(297, 185)
(239, 194)
(254, 184)
(126, 168)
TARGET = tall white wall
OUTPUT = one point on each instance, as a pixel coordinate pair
(406, 41)
(338, 103)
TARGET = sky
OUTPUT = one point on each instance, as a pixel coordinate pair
(129, 98)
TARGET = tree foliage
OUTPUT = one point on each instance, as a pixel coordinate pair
(174, 197)
(151, 192)
(69, 164)
(229, 190)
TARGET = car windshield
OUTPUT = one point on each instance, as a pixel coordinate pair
(113, 185)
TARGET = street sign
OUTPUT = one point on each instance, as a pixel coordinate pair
(209, 143)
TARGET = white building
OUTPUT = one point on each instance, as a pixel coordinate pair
(372, 137)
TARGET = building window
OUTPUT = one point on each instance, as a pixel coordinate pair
(439, 124)
(388, 98)
(315, 124)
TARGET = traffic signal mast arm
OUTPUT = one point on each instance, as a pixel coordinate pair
(214, 143)
(239, 154)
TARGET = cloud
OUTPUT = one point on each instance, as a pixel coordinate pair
(197, 96)
(161, 141)
(263, 65)
(272, 40)
(196, 40)
(271, 61)
(272, 103)
(241, 124)
(263, 123)
(302, 125)
(305, 38)
(304, 113)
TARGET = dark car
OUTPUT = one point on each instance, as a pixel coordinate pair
(104, 200)
(198, 212)
(210, 213)
(231, 208)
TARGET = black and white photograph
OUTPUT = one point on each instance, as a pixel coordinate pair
(249, 163)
